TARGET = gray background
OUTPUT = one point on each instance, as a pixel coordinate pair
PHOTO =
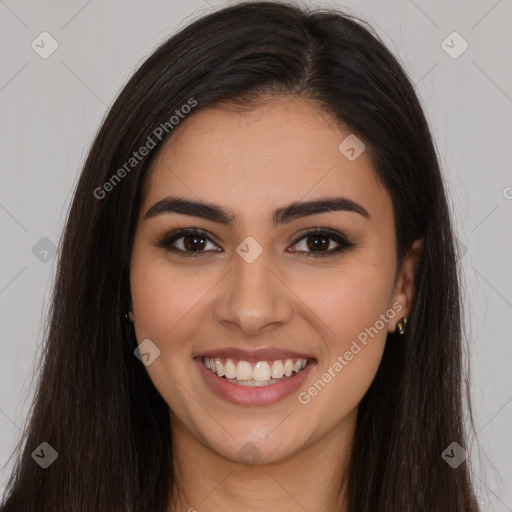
(51, 109)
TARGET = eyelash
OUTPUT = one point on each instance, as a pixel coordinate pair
(343, 244)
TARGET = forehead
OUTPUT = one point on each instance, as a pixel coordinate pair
(285, 150)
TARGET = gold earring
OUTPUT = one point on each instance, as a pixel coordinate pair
(401, 325)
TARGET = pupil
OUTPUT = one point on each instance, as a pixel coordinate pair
(193, 247)
(322, 245)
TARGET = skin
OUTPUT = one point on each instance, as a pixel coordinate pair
(252, 162)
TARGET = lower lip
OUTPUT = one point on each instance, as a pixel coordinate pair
(257, 395)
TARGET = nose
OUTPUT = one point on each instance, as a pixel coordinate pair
(254, 298)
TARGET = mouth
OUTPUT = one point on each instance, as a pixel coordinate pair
(256, 378)
(254, 374)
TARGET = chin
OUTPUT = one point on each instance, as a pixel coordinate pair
(251, 447)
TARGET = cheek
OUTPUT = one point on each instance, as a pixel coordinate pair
(350, 306)
(165, 304)
(347, 301)
(163, 294)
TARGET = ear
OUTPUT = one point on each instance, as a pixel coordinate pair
(130, 315)
(404, 286)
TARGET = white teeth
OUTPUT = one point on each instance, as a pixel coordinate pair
(277, 369)
(243, 371)
(219, 367)
(230, 369)
(262, 373)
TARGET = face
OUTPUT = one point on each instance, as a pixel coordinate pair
(250, 289)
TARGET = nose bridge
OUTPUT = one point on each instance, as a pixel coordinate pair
(255, 298)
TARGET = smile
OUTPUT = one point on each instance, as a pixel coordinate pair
(260, 373)
(257, 382)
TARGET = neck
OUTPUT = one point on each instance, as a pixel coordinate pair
(313, 479)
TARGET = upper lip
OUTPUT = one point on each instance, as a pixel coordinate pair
(260, 354)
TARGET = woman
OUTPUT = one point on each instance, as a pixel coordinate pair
(257, 301)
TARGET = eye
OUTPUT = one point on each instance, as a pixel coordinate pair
(318, 240)
(192, 242)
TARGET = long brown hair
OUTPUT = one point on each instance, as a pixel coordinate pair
(95, 404)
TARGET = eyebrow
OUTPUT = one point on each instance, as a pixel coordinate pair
(217, 213)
